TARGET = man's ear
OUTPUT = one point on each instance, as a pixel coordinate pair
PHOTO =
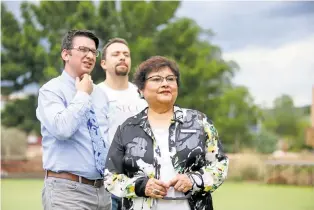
(65, 55)
(103, 64)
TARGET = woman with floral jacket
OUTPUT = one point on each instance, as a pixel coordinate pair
(165, 157)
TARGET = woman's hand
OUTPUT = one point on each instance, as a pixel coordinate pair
(156, 188)
(181, 183)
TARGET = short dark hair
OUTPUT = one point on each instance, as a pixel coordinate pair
(154, 63)
(110, 42)
(67, 41)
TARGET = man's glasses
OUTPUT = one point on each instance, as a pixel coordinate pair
(86, 50)
(171, 79)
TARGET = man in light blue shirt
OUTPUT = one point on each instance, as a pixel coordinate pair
(72, 111)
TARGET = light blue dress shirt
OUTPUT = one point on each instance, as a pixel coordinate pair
(66, 142)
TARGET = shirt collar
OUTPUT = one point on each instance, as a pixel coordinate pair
(67, 78)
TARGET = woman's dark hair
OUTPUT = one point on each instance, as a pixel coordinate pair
(154, 63)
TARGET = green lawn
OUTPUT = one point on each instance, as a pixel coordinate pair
(249, 196)
(18, 194)
(26, 195)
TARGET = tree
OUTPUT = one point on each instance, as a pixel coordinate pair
(22, 55)
(21, 113)
(300, 139)
(150, 27)
(287, 121)
(234, 116)
(282, 119)
(265, 142)
(23, 59)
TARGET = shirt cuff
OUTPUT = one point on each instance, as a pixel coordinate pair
(140, 186)
(82, 96)
(83, 102)
(196, 179)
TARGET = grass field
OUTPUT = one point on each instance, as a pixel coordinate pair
(26, 195)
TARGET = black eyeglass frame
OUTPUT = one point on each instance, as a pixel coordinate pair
(84, 49)
(162, 78)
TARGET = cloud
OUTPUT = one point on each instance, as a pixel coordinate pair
(292, 9)
(273, 43)
(271, 72)
(239, 24)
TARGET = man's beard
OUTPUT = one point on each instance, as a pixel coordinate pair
(121, 72)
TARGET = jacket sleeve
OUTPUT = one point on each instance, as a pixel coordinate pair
(116, 181)
(214, 171)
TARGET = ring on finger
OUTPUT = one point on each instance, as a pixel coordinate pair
(156, 192)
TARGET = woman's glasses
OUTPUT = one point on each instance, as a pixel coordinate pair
(171, 79)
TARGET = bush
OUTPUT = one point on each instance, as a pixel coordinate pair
(13, 144)
(265, 142)
(246, 167)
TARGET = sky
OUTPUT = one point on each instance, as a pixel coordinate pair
(271, 41)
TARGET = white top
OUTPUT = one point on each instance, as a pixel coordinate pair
(167, 172)
(122, 105)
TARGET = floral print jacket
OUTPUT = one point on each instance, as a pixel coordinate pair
(195, 149)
